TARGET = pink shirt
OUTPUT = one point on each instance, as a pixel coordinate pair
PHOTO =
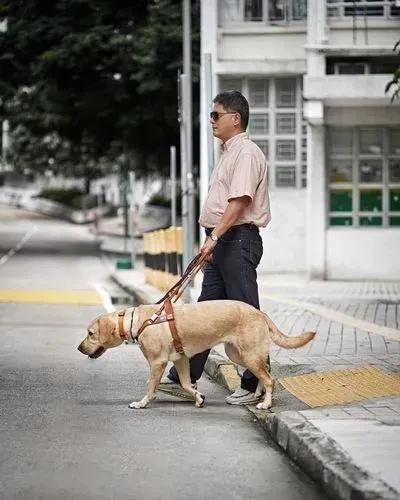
(241, 170)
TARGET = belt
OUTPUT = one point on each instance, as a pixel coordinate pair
(249, 225)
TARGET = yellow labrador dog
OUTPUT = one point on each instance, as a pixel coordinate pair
(245, 331)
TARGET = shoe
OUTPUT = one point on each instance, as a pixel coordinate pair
(170, 387)
(242, 397)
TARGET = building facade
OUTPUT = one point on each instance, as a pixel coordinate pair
(315, 74)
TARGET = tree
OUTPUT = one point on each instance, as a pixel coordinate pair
(100, 77)
(394, 84)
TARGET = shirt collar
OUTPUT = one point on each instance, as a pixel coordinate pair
(227, 145)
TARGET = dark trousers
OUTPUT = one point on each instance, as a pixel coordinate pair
(231, 275)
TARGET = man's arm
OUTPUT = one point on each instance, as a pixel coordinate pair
(233, 211)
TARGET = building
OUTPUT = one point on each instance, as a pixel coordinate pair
(315, 76)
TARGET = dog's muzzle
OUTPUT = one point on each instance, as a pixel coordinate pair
(96, 354)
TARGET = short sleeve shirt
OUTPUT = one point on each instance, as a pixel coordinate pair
(241, 171)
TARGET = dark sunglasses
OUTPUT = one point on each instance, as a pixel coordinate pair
(214, 115)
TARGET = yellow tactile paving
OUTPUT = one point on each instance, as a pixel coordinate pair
(74, 297)
(342, 386)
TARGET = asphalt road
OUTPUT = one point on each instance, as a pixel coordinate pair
(66, 430)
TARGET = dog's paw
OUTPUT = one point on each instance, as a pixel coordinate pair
(200, 404)
(263, 406)
(137, 404)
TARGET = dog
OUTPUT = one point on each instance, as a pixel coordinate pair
(245, 331)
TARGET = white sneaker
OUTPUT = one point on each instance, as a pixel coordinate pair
(242, 397)
(173, 389)
(167, 381)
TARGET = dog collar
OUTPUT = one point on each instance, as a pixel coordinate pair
(121, 329)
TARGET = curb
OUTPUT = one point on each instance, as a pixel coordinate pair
(140, 296)
(313, 451)
(222, 371)
(322, 458)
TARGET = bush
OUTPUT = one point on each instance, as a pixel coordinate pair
(159, 201)
(84, 202)
(73, 198)
(64, 196)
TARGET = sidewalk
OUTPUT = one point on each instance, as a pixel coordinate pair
(352, 449)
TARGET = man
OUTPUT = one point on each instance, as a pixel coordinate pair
(236, 206)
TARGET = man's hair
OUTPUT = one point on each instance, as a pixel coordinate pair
(234, 101)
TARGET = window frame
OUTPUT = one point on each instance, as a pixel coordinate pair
(355, 186)
(288, 6)
(299, 163)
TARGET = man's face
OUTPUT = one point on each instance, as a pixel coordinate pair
(227, 125)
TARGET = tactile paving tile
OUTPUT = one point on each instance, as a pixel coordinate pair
(76, 297)
(342, 386)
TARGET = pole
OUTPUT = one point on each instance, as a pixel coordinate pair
(133, 216)
(173, 184)
(188, 124)
(184, 170)
(209, 97)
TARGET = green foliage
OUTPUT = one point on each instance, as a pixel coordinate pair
(97, 77)
(64, 196)
(394, 84)
(72, 198)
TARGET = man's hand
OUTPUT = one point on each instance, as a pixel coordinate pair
(208, 248)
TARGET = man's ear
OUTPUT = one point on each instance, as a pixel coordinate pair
(237, 120)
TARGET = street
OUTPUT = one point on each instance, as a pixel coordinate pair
(66, 429)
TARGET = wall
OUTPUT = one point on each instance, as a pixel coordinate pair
(379, 248)
(284, 238)
(378, 33)
(268, 44)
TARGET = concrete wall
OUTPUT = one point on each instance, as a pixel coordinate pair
(347, 88)
(378, 33)
(284, 238)
(379, 248)
(366, 115)
(250, 45)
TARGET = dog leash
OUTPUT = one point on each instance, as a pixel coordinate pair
(172, 295)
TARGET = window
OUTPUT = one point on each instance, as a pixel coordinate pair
(262, 11)
(285, 150)
(361, 66)
(364, 176)
(259, 124)
(286, 93)
(253, 10)
(258, 92)
(363, 8)
(285, 176)
(277, 126)
(285, 123)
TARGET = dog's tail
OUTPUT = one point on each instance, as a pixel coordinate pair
(283, 340)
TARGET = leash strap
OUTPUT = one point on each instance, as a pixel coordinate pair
(174, 293)
(172, 326)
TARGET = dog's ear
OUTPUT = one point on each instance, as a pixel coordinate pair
(106, 326)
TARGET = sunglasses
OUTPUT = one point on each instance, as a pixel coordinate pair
(214, 115)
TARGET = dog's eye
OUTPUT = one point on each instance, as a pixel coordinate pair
(90, 333)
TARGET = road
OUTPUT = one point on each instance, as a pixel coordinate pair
(66, 429)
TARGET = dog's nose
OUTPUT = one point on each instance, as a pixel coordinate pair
(80, 348)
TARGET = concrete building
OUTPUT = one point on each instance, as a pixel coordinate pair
(315, 77)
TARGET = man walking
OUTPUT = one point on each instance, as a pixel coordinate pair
(237, 205)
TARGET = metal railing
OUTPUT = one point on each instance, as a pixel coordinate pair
(383, 9)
